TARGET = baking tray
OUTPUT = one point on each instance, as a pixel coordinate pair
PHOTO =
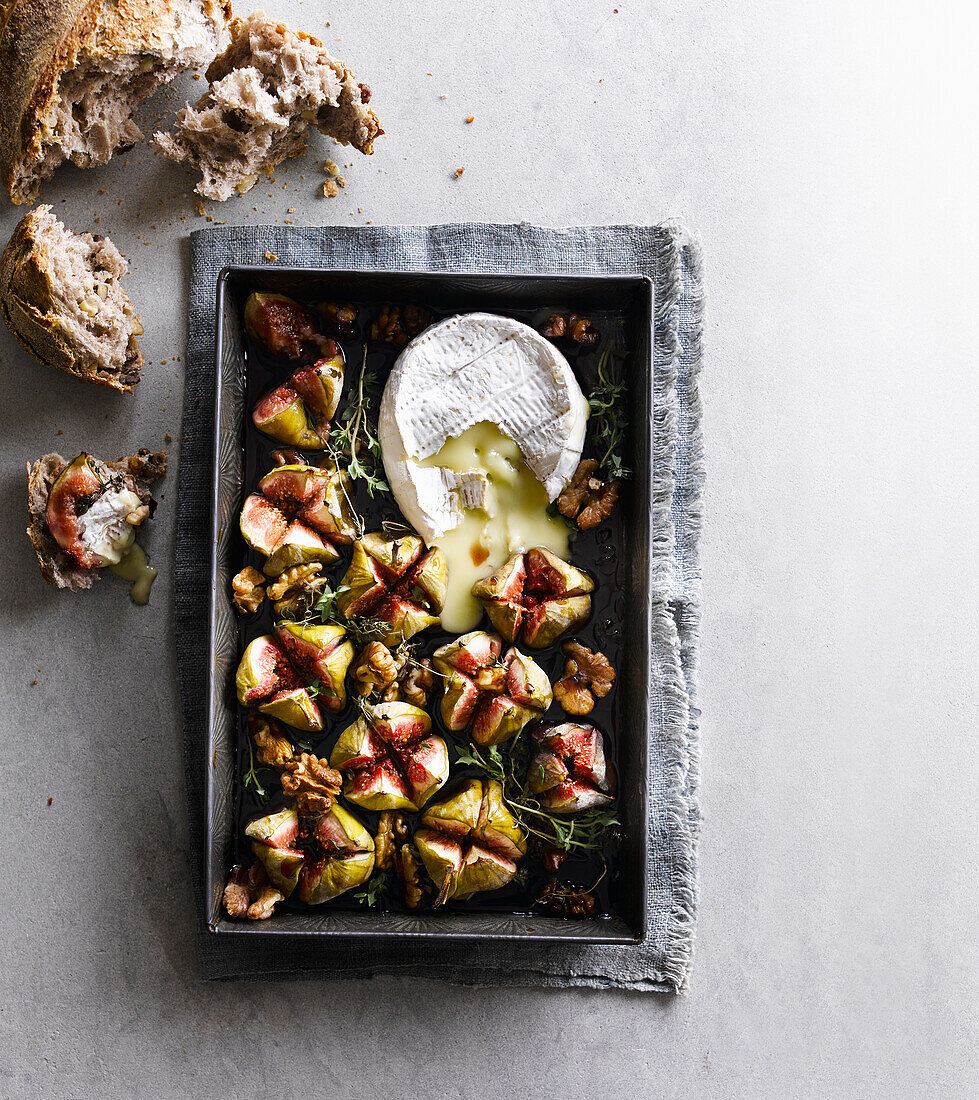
(630, 300)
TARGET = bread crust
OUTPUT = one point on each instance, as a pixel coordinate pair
(40, 40)
(24, 291)
(57, 568)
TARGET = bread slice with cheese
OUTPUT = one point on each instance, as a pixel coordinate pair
(267, 88)
(61, 297)
(134, 474)
(72, 74)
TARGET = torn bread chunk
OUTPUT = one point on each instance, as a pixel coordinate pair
(73, 73)
(61, 297)
(84, 513)
(267, 88)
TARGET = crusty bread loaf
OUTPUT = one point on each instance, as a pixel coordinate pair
(61, 297)
(142, 469)
(267, 88)
(72, 73)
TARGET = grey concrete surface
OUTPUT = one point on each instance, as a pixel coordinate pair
(826, 154)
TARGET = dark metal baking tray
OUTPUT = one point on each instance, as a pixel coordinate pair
(630, 300)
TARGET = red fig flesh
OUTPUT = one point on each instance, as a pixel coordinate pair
(536, 597)
(569, 772)
(492, 698)
(396, 582)
(388, 759)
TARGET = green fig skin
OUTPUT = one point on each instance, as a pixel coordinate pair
(343, 872)
(472, 837)
(282, 865)
(296, 708)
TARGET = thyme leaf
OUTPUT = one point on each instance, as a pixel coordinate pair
(376, 887)
(251, 780)
(355, 433)
(586, 831)
(608, 421)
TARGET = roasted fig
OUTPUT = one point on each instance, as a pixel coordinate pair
(535, 597)
(389, 758)
(321, 653)
(266, 678)
(299, 411)
(93, 512)
(339, 856)
(273, 837)
(324, 856)
(300, 514)
(569, 771)
(396, 582)
(491, 697)
(470, 842)
(281, 326)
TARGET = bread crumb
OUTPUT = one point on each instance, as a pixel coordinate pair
(199, 207)
(290, 210)
(168, 438)
(330, 168)
(271, 256)
(97, 220)
(443, 96)
(330, 189)
(59, 432)
(360, 210)
(341, 181)
(458, 172)
(470, 118)
(50, 800)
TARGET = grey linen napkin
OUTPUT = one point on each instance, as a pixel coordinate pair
(671, 257)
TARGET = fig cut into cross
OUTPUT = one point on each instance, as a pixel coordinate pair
(470, 842)
(389, 758)
(536, 597)
(490, 696)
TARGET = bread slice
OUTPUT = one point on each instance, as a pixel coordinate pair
(139, 471)
(61, 297)
(73, 72)
(267, 88)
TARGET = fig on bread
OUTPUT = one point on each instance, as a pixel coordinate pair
(84, 513)
(61, 297)
(73, 73)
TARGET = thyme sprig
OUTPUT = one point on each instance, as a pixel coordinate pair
(582, 832)
(608, 418)
(251, 780)
(373, 892)
(355, 433)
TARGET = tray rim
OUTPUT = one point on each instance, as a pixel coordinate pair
(548, 929)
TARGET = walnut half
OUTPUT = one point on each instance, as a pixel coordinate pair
(391, 827)
(296, 588)
(407, 866)
(312, 783)
(248, 590)
(586, 498)
(586, 675)
(374, 670)
(272, 748)
(248, 894)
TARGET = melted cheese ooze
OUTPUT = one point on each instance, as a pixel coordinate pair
(513, 517)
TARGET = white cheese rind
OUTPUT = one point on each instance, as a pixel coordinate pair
(468, 369)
